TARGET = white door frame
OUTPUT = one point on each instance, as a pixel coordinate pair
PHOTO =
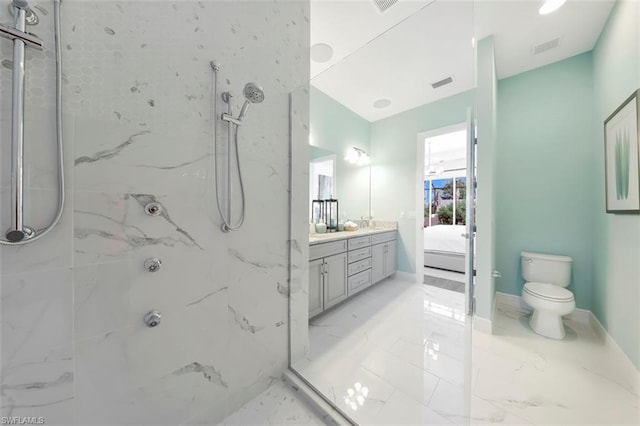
(419, 189)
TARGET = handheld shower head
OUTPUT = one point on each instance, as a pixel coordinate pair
(254, 95)
(22, 4)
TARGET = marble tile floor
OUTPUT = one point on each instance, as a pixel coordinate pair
(279, 405)
(399, 354)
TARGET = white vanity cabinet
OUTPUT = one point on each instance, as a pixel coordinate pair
(327, 276)
(316, 287)
(359, 264)
(384, 251)
(335, 279)
(340, 269)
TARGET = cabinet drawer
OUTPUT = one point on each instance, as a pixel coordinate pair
(327, 249)
(360, 266)
(359, 254)
(359, 282)
(384, 237)
(356, 243)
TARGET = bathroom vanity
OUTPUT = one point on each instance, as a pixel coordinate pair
(342, 264)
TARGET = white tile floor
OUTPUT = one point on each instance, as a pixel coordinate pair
(278, 405)
(399, 354)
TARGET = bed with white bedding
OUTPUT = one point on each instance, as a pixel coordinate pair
(445, 247)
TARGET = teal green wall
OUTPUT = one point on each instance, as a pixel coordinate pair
(336, 128)
(544, 175)
(616, 287)
(393, 176)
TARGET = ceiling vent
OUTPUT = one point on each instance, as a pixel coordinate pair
(547, 45)
(383, 5)
(442, 82)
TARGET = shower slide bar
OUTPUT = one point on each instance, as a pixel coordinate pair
(19, 233)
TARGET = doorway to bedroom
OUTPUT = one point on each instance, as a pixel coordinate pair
(444, 197)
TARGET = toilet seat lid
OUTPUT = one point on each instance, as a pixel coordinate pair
(548, 291)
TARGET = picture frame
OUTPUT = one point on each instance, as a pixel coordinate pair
(622, 157)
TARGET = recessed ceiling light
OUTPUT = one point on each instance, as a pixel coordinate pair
(381, 103)
(321, 52)
(551, 6)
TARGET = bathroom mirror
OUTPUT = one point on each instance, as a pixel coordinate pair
(334, 132)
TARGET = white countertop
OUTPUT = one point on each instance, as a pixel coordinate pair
(335, 236)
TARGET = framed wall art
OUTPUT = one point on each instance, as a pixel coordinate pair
(622, 157)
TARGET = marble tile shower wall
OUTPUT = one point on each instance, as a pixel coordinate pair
(138, 128)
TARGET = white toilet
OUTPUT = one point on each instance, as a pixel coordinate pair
(546, 277)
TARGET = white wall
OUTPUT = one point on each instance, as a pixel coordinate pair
(137, 103)
(486, 107)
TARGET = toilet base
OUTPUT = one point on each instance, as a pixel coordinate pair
(547, 324)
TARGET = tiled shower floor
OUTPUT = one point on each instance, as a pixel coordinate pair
(278, 405)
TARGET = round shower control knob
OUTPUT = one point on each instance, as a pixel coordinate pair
(152, 318)
(152, 264)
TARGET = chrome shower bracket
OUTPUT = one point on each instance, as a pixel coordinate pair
(31, 17)
(229, 118)
(15, 34)
(227, 97)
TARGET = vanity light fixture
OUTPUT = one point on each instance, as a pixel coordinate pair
(357, 156)
(551, 6)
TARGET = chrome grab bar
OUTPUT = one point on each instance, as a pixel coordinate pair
(19, 233)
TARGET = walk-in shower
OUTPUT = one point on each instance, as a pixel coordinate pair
(19, 233)
(253, 94)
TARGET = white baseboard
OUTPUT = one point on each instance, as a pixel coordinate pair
(510, 300)
(331, 415)
(483, 325)
(627, 365)
(582, 316)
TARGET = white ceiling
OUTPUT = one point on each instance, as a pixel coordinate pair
(447, 151)
(397, 54)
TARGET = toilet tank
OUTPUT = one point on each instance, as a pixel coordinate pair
(546, 268)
